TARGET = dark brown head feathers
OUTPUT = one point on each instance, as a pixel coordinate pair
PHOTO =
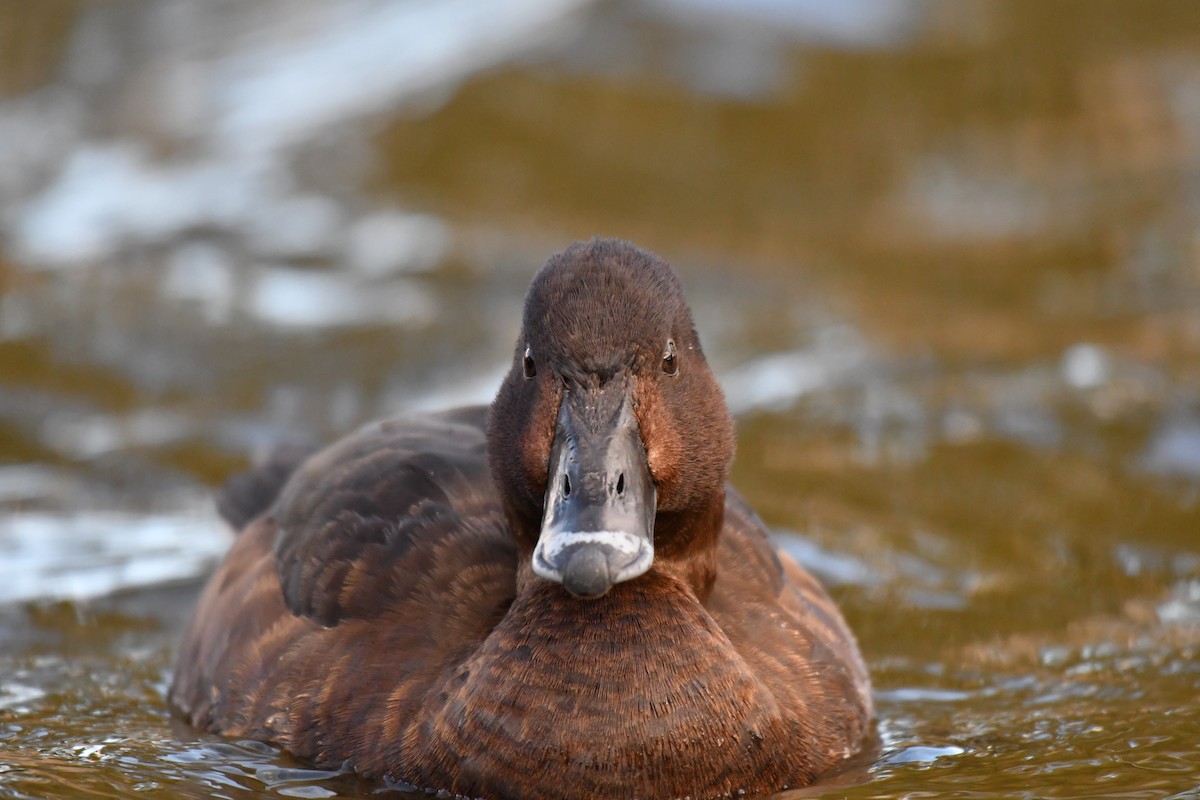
(605, 310)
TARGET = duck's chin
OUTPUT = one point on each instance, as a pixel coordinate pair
(589, 563)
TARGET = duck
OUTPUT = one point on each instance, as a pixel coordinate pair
(555, 596)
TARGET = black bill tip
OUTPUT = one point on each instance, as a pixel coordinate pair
(586, 572)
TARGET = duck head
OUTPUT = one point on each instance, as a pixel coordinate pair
(609, 438)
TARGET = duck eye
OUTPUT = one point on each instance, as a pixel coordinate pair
(528, 365)
(670, 363)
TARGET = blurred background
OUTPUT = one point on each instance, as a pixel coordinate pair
(944, 256)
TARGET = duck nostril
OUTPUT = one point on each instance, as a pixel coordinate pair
(566, 486)
(621, 484)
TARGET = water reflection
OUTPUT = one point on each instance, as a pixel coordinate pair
(233, 95)
(942, 254)
(61, 556)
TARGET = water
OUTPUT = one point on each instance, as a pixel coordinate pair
(942, 255)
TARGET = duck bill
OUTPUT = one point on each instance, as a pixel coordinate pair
(598, 522)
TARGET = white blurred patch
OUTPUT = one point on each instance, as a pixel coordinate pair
(832, 567)
(108, 195)
(1183, 607)
(1175, 449)
(37, 132)
(1085, 366)
(366, 56)
(847, 23)
(203, 274)
(957, 199)
(59, 556)
(475, 387)
(777, 381)
(234, 121)
(391, 241)
(81, 435)
(297, 298)
(13, 696)
(296, 227)
(25, 482)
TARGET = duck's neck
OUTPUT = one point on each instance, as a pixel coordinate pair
(685, 545)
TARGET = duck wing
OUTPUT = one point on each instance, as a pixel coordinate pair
(789, 631)
(386, 514)
(385, 557)
(246, 495)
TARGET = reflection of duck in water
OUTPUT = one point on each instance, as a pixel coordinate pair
(556, 598)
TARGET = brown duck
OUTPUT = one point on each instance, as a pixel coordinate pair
(559, 597)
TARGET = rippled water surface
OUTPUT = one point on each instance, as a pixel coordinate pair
(944, 255)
